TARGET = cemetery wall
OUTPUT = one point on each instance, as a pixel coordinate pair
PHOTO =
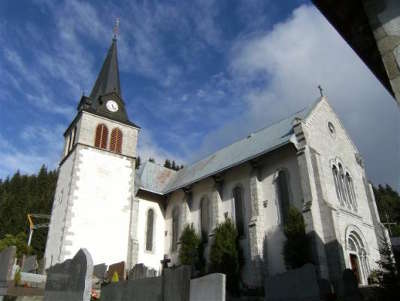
(210, 287)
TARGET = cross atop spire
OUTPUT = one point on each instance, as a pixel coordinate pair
(116, 29)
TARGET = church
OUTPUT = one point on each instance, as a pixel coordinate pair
(120, 213)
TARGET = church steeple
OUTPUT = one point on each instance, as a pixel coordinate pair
(106, 99)
(108, 79)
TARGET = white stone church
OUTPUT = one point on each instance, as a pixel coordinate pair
(120, 213)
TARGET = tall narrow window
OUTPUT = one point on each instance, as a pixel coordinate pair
(175, 228)
(116, 141)
(283, 190)
(101, 136)
(149, 230)
(239, 210)
(205, 217)
(337, 185)
(342, 187)
(350, 189)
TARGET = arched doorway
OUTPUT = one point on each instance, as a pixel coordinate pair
(357, 256)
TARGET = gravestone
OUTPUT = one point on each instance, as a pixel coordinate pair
(29, 264)
(210, 287)
(349, 285)
(118, 267)
(70, 280)
(298, 284)
(148, 289)
(7, 257)
(140, 271)
(177, 283)
(99, 271)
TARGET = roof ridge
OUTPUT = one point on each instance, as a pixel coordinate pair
(243, 138)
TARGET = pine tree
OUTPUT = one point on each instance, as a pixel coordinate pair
(152, 160)
(137, 165)
(173, 165)
(296, 250)
(167, 163)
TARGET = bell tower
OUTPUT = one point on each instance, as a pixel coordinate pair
(92, 206)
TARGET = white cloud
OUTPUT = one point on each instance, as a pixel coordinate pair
(279, 72)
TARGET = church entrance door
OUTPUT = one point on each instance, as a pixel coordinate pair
(354, 266)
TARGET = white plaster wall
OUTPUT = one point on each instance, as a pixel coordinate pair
(284, 159)
(59, 210)
(100, 206)
(339, 147)
(176, 199)
(151, 258)
(270, 164)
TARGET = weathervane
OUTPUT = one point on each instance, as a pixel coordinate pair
(116, 28)
(321, 90)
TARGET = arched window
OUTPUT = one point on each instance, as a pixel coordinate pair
(101, 136)
(337, 185)
(351, 192)
(342, 187)
(149, 230)
(239, 210)
(283, 192)
(116, 140)
(205, 217)
(175, 228)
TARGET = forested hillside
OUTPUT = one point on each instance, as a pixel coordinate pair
(23, 194)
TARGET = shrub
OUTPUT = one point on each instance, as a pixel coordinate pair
(296, 250)
(189, 246)
(19, 240)
(224, 254)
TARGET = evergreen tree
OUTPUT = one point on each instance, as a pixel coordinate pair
(224, 254)
(188, 251)
(173, 165)
(137, 165)
(23, 194)
(152, 160)
(167, 163)
(296, 250)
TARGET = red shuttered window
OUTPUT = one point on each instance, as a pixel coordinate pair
(116, 141)
(101, 136)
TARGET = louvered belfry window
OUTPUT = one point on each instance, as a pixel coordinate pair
(101, 136)
(116, 141)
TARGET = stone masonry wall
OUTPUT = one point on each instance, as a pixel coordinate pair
(384, 18)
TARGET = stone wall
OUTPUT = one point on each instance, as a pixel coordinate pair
(384, 18)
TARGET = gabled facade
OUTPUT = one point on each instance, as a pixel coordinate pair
(306, 160)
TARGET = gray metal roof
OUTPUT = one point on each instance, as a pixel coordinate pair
(154, 177)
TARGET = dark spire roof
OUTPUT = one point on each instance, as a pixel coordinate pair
(106, 88)
(108, 78)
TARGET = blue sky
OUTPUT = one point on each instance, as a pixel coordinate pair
(195, 75)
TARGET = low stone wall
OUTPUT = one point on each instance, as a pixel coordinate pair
(210, 287)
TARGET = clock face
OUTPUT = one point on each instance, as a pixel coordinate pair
(112, 106)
